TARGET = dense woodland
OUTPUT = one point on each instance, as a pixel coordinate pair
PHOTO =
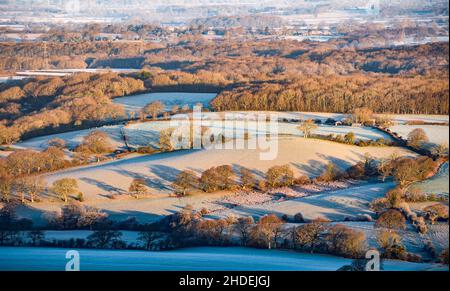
(403, 95)
(248, 75)
(49, 103)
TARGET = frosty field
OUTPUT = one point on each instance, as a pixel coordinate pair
(147, 133)
(306, 156)
(136, 102)
(437, 184)
(192, 259)
(437, 134)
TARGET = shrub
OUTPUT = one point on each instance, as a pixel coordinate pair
(302, 180)
(80, 197)
(209, 181)
(379, 205)
(435, 212)
(279, 176)
(262, 185)
(165, 140)
(185, 181)
(267, 231)
(419, 223)
(346, 242)
(64, 187)
(390, 243)
(392, 219)
(394, 197)
(217, 178)
(226, 177)
(417, 138)
(356, 171)
(248, 179)
(138, 187)
(331, 173)
(298, 218)
(146, 150)
(57, 143)
(415, 195)
(308, 236)
(204, 211)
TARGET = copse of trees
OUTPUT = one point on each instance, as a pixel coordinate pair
(185, 181)
(153, 109)
(409, 170)
(64, 101)
(326, 94)
(218, 178)
(279, 176)
(391, 219)
(64, 188)
(96, 143)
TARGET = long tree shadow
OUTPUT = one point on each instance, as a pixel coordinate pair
(165, 173)
(153, 183)
(313, 168)
(103, 185)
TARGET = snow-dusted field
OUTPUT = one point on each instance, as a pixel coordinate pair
(193, 259)
(141, 134)
(411, 239)
(73, 138)
(403, 118)
(231, 124)
(306, 156)
(438, 184)
(437, 134)
(136, 102)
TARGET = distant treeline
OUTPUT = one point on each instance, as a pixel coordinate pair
(235, 60)
(382, 94)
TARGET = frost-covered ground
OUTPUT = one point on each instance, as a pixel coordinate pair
(305, 156)
(438, 184)
(193, 259)
(136, 102)
(73, 138)
(403, 118)
(235, 123)
(99, 181)
(411, 239)
(142, 134)
(437, 134)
